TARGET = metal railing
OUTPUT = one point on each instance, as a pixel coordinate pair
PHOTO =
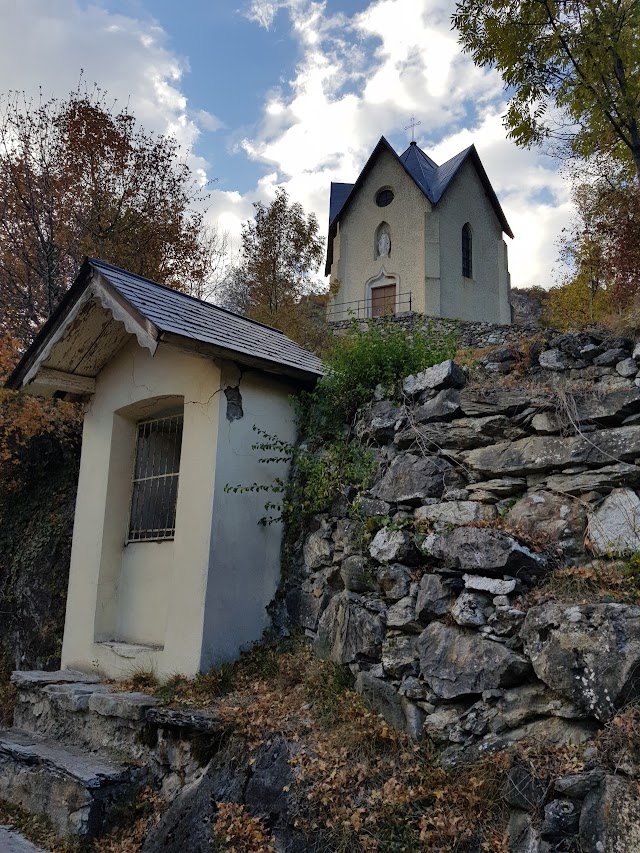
(359, 309)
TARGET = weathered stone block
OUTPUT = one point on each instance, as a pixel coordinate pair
(434, 598)
(391, 546)
(588, 653)
(458, 663)
(348, 632)
(614, 527)
(399, 655)
(356, 574)
(412, 479)
(394, 581)
(556, 519)
(457, 513)
(483, 550)
(538, 454)
(610, 818)
(318, 548)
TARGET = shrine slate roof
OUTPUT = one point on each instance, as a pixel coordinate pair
(176, 318)
(172, 311)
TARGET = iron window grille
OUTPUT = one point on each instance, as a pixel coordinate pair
(155, 479)
(467, 252)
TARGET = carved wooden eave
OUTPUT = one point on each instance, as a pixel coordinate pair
(90, 326)
(107, 307)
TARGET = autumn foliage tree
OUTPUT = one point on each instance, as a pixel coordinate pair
(572, 68)
(274, 282)
(79, 178)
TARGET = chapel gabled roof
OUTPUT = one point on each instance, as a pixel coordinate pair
(80, 337)
(431, 179)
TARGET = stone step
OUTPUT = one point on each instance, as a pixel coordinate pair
(12, 842)
(76, 790)
(77, 709)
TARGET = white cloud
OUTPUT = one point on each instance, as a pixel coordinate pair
(129, 59)
(364, 76)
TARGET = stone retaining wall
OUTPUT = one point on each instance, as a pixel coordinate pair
(428, 585)
(470, 334)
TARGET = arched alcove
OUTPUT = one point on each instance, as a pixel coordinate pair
(382, 242)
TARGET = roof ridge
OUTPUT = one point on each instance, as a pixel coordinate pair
(185, 295)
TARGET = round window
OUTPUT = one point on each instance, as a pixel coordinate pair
(384, 197)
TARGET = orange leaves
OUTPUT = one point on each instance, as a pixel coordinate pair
(239, 832)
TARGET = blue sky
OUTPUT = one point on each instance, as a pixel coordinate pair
(291, 92)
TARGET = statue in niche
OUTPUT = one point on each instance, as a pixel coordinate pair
(384, 245)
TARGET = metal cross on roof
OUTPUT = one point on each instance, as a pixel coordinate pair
(412, 125)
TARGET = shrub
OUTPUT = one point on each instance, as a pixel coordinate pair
(366, 356)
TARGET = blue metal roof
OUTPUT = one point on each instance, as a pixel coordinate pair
(339, 194)
(432, 179)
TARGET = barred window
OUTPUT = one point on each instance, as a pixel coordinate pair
(155, 479)
(467, 252)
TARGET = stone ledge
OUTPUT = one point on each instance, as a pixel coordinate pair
(38, 678)
(13, 842)
(91, 769)
(197, 721)
(126, 706)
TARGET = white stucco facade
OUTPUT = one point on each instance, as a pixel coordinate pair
(425, 260)
(181, 605)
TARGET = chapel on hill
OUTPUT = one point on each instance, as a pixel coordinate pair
(412, 235)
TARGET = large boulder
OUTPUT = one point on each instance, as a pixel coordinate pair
(444, 375)
(610, 817)
(413, 479)
(538, 454)
(455, 662)
(348, 632)
(559, 519)
(484, 550)
(614, 527)
(588, 653)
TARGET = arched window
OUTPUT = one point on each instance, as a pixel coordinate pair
(467, 251)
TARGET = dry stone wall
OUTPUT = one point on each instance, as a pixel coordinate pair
(470, 333)
(431, 585)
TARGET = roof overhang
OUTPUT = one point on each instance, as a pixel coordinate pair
(89, 326)
(92, 323)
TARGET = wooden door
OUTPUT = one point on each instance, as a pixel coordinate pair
(383, 300)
